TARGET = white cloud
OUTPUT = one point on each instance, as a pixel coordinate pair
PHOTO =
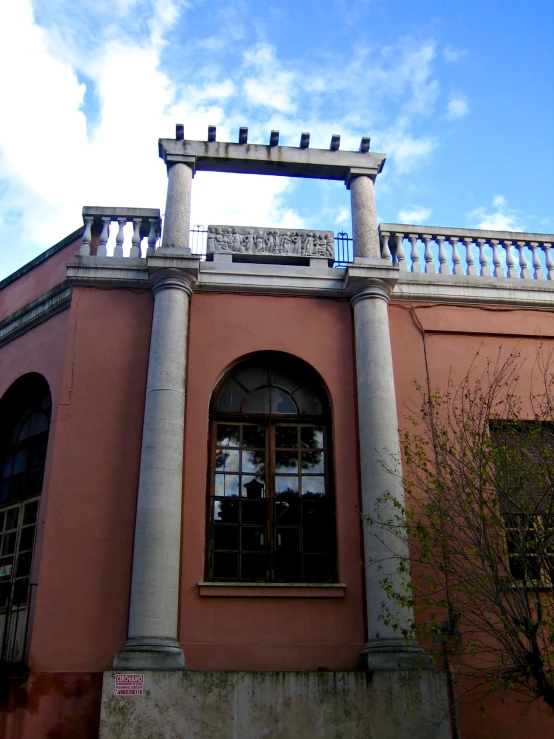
(458, 106)
(414, 214)
(500, 218)
(451, 54)
(54, 160)
(268, 86)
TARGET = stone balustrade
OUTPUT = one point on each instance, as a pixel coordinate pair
(473, 252)
(146, 226)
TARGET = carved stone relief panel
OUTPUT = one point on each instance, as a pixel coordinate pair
(274, 241)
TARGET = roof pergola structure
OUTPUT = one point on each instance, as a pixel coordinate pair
(357, 169)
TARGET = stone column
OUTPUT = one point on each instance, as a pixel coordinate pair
(364, 217)
(379, 454)
(152, 636)
(177, 205)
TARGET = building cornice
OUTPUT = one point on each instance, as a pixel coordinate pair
(34, 313)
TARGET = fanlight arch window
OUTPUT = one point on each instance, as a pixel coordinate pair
(271, 509)
(25, 411)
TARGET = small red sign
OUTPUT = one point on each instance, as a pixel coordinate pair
(129, 684)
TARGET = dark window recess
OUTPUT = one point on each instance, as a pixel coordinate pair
(25, 411)
(271, 512)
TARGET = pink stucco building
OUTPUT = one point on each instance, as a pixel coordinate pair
(187, 441)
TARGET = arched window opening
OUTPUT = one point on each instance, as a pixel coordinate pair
(25, 411)
(271, 509)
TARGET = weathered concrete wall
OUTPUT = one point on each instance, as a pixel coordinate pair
(283, 705)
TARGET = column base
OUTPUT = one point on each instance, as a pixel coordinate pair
(150, 653)
(395, 654)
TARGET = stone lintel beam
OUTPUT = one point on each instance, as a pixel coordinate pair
(285, 161)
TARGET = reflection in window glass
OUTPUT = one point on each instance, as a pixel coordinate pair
(271, 514)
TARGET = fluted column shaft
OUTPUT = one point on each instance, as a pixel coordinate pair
(364, 217)
(380, 481)
(152, 636)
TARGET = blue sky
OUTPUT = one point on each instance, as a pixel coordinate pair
(460, 96)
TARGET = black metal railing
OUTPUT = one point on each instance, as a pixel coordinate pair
(344, 246)
(15, 605)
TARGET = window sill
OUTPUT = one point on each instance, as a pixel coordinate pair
(271, 590)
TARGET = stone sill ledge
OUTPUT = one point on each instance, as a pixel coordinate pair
(271, 590)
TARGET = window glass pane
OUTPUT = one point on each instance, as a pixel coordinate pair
(252, 377)
(253, 436)
(308, 402)
(2, 516)
(288, 567)
(226, 537)
(282, 402)
(226, 485)
(316, 539)
(287, 512)
(311, 437)
(4, 491)
(227, 435)
(19, 461)
(313, 512)
(227, 460)
(24, 564)
(313, 486)
(286, 485)
(27, 538)
(5, 591)
(253, 539)
(226, 511)
(312, 462)
(317, 568)
(6, 564)
(12, 517)
(231, 398)
(253, 462)
(286, 436)
(20, 592)
(252, 487)
(39, 423)
(38, 453)
(24, 433)
(288, 540)
(253, 566)
(225, 566)
(30, 513)
(33, 481)
(8, 543)
(7, 466)
(286, 461)
(285, 381)
(253, 512)
(258, 402)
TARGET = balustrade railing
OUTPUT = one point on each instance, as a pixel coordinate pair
(473, 252)
(137, 240)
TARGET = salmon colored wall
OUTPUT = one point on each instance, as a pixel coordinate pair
(252, 633)
(52, 706)
(453, 336)
(83, 595)
(38, 281)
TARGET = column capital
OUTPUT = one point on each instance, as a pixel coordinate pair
(173, 158)
(372, 290)
(361, 172)
(172, 279)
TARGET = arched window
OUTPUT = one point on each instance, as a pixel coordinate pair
(25, 411)
(271, 511)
